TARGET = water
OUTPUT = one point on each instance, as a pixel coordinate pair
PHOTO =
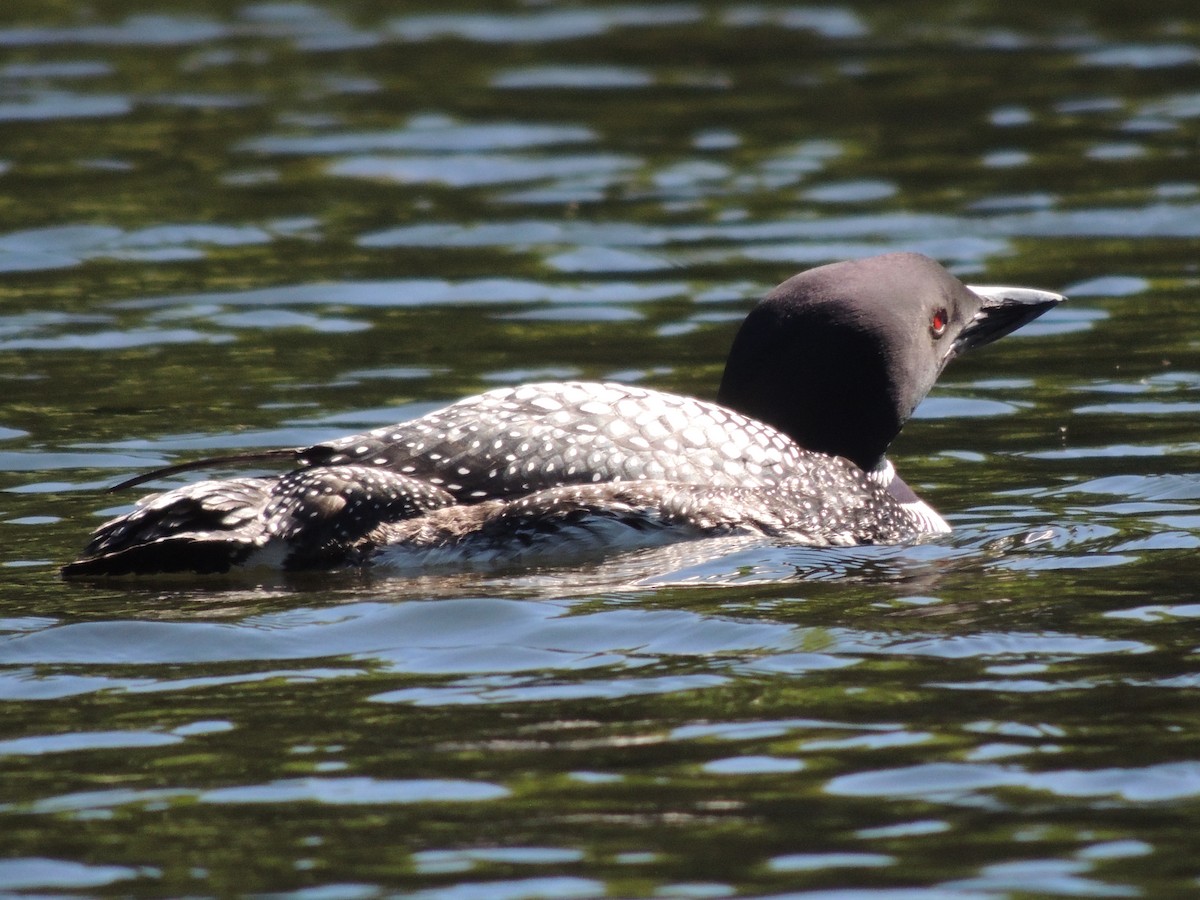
(264, 224)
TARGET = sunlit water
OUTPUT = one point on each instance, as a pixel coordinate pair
(268, 224)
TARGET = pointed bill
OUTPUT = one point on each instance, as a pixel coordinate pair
(1002, 311)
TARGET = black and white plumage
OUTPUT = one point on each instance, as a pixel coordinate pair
(822, 375)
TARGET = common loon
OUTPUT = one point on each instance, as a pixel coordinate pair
(820, 378)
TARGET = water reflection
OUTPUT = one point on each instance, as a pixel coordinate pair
(271, 224)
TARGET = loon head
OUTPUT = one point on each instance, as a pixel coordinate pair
(838, 357)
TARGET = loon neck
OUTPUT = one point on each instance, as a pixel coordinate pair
(827, 388)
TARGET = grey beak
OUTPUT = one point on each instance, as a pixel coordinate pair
(1002, 310)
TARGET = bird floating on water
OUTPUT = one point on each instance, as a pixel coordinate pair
(822, 375)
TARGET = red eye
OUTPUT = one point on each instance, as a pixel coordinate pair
(939, 322)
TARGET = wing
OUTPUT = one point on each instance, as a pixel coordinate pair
(517, 440)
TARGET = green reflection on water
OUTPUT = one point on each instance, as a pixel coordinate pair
(727, 155)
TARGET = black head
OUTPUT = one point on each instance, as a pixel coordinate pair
(838, 357)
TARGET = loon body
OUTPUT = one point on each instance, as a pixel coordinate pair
(821, 376)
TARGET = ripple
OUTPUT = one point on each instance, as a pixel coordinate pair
(434, 637)
(355, 791)
(580, 77)
(420, 292)
(539, 27)
(1111, 151)
(528, 232)
(1043, 877)
(438, 861)
(815, 862)
(69, 245)
(1142, 56)
(959, 250)
(31, 684)
(185, 100)
(405, 373)
(881, 740)
(576, 314)
(1013, 686)
(1153, 220)
(1144, 487)
(1077, 106)
(753, 765)
(1108, 286)
(1141, 408)
(341, 890)
(1113, 451)
(1165, 383)
(115, 340)
(1006, 159)
(760, 729)
(944, 407)
(88, 740)
(592, 689)
(947, 781)
(986, 645)
(477, 170)
(135, 31)
(424, 133)
(45, 106)
(91, 68)
(904, 829)
(1157, 613)
(275, 319)
(804, 241)
(560, 887)
(32, 873)
(827, 21)
(1010, 116)
(1176, 106)
(1116, 850)
(1063, 321)
(1165, 540)
(863, 191)
(1015, 202)
(604, 259)
(308, 26)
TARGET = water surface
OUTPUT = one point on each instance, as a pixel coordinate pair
(269, 224)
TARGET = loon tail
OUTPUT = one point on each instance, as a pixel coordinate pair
(208, 526)
(307, 518)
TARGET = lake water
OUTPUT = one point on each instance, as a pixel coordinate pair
(246, 224)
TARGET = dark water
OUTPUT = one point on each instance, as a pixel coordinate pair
(259, 224)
